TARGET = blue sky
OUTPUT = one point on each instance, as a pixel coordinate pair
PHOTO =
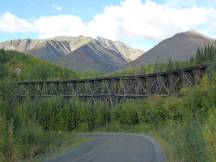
(36, 8)
(138, 23)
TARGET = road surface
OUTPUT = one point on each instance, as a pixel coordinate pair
(115, 147)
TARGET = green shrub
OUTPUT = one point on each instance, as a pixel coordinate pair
(209, 133)
(7, 146)
(30, 140)
(128, 114)
(103, 114)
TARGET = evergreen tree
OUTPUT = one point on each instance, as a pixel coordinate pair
(156, 67)
(170, 65)
(198, 57)
(177, 65)
(191, 62)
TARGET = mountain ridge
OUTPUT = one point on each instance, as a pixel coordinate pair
(57, 48)
(93, 56)
(180, 47)
(85, 53)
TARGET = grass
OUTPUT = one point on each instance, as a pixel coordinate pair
(59, 144)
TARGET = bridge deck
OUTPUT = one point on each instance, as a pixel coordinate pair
(198, 67)
(121, 87)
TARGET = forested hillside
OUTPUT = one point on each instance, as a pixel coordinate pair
(21, 137)
(18, 66)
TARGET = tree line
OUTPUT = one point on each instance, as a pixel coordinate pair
(204, 55)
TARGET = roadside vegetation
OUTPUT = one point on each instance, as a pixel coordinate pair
(22, 138)
(185, 126)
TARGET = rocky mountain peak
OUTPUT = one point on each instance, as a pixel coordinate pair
(180, 47)
(87, 50)
(191, 33)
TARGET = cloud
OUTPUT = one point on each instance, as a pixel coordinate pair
(59, 25)
(10, 23)
(128, 21)
(190, 3)
(133, 18)
(57, 7)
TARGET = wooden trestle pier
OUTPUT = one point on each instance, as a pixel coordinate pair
(115, 89)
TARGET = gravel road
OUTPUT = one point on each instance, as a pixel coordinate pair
(115, 147)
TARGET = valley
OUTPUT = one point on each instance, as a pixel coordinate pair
(33, 128)
(107, 81)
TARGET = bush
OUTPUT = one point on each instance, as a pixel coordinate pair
(31, 140)
(7, 141)
(151, 111)
(128, 114)
(209, 133)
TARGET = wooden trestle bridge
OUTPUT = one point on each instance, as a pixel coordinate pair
(115, 89)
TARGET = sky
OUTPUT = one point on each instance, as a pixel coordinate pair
(138, 23)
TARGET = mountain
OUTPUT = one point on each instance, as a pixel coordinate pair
(129, 54)
(93, 56)
(45, 49)
(60, 50)
(48, 49)
(180, 47)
